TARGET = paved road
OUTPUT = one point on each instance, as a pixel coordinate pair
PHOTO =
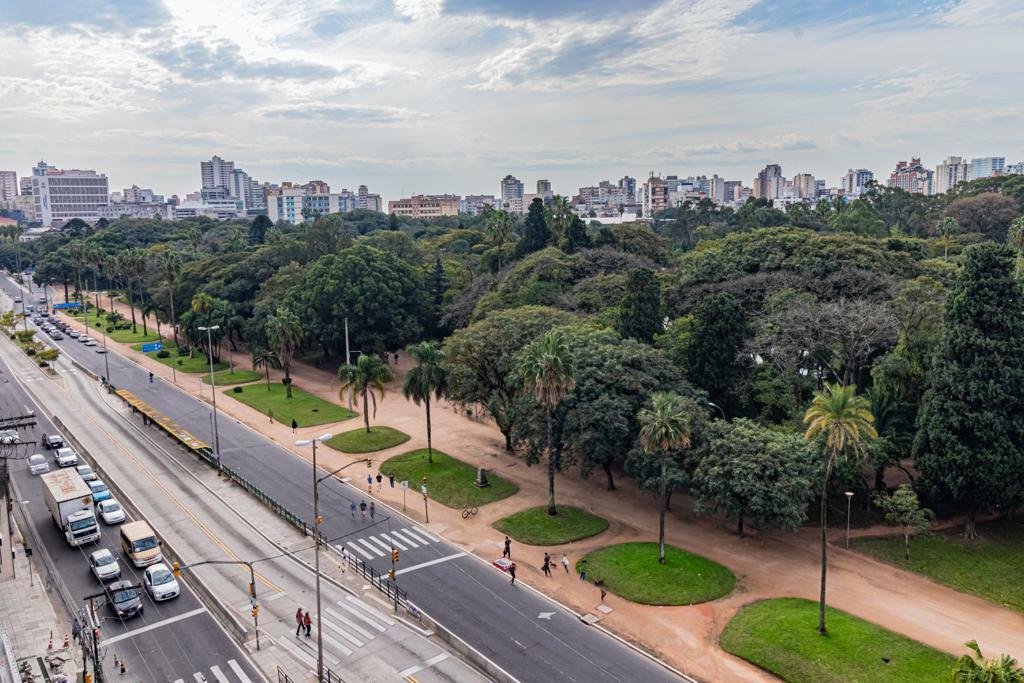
(526, 634)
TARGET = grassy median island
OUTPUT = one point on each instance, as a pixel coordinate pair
(450, 481)
(780, 636)
(303, 407)
(197, 363)
(534, 526)
(227, 377)
(988, 566)
(632, 571)
(362, 441)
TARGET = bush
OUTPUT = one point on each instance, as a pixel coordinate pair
(181, 362)
(124, 326)
(43, 364)
(237, 390)
(110, 328)
(182, 351)
(163, 353)
(30, 352)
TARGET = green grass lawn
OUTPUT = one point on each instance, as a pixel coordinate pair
(226, 377)
(450, 481)
(988, 567)
(781, 637)
(359, 441)
(197, 363)
(129, 337)
(534, 526)
(304, 407)
(632, 571)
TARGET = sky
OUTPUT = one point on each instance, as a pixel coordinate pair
(433, 96)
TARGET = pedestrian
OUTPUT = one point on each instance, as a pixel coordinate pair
(581, 566)
(512, 573)
(151, 378)
(565, 563)
(362, 509)
(270, 415)
(391, 480)
(507, 552)
(373, 509)
(308, 623)
(295, 425)
(380, 480)
(547, 565)
(76, 630)
(396, 357)
(600, 584)
(369, 483)
(352, 508)
(298, 622)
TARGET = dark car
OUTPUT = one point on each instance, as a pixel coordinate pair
(124, 599)
(52, 441)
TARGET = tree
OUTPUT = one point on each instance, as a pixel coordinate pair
(499, 225)
(367, 379)
(989, 213)
(258, 230)
(169, 265)
(547, 370)
(752, 471)
(393, 222)
(641, 316)
(285, 333)
(903, 509)
(132, 266)
(969, 447)
(265, 358)
(948, 228)
(859, 218)
(840, 420)
(536, 234)
(561, 218)
(666, 427)
(713, 356)
(976, 669)
(575, 237)
(430, 376)
(1015, 238)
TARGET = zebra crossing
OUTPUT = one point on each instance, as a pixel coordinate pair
(219, 674)
(347, 625)
(374, 546)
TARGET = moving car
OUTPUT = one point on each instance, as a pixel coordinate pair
(104, 565)
(66, 457)
(57, 335)
(84, 338)
(140, 544)
(37, 464)
(90, 342)
(74, 334)
(124, 599)
(100, 492)
(110, 511)
(17, 299)
(86, 473)
(160, 582)
(52, 441)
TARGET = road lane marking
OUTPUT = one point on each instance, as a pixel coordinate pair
(238, 671)
(150, 627)
(221, 678)
(340, 631)
(360, 615)
(394, 542)
(437, 659)
(430, 563)
(298, 653)
(371, 611)
(359, 550)
(199, 678)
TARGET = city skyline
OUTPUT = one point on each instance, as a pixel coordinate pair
(482, 90)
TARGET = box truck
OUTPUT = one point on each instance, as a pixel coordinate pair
(69, 500)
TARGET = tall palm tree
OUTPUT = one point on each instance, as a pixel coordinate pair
(1015, 238)
(665, 427)
(265, 358)
(112, 267)
(366, 378)
(96, 258)
(285, 334)
(948, 227)
(548, 368)
(843, 420)
(203, 305)
(430, 376)
(133, 265)
(499, 229)
(976, 669)
(169, 263)
(561, 218)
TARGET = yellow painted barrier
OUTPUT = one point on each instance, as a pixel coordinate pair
(166, 423)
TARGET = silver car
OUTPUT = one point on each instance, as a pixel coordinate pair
(37, 464)
(86, 473)
(104, 565)
(160, 582)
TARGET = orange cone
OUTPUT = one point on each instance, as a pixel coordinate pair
(66, 644)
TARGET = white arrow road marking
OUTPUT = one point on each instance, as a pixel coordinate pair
(545, 615)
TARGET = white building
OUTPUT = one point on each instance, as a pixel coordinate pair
(950, 172)
(8, 186)
(986, 167)
(216, 173)
(296, 204)
(367, 200)
(217, 209)
(473, 204)
(856, 180)
(804, 186)
(60, 196)
(512, 194)
(139, 195)
(137, 210)
(1014, 169)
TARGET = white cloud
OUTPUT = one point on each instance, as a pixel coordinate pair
(419, 9)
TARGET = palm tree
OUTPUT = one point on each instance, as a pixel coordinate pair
(96, 258)
(203, 305)
(366, 378)
(169, 263)
(430, 376)
(265, 358)
(666, 426)
(547, 368)
(133, 265)
(499, 229)
(1015, 238)
(976, 669)
(112, 265)
(285, 334)
(561, 218)
(844, 419)
(947, 228)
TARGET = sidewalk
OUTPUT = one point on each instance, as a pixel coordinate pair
(766, 564)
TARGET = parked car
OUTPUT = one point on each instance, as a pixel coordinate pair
(160, 582)
(86, 473)
(37, 464)
(100, 492)
(52, 441)
(124, 599)
(104, 565)
(110, 511)
(66, 457)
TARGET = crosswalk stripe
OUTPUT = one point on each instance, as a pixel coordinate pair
(378, 543)
(372, 548)
(238, 671)
(221, 678)
(361, 615)
(360, 551)
(351, 624)
(414, 542)
(179, 681)
(342, 632)
(395, 543)
(371, 611)
(299, 653)
(420, 533)
(335, 644)
(199, 678)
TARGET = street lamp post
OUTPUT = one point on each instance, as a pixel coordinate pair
(849, 499)
(106, 363)
(715, 405)
(213, 389)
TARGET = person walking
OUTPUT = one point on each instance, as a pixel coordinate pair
(512, 573)
(600, 584)
(547, 565)
(352, 508)
(362, 509)
(391, 480)
(308, 623)
(369, 483)
(295, 425)
(76, 630)
(582, 567)
(298, 622)
(380, 480)
(270, 415)
(507, 552)
(373, 509)
(151, 378)
(565, 563)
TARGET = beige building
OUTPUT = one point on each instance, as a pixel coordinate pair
(426, 206)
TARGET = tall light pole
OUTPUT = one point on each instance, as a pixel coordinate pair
(106, 363)
(213, 389)
(715, 405)
(849, 499)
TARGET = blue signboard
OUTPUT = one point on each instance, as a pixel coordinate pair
(153, 346)
(70, 304)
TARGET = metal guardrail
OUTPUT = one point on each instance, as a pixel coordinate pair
(278, 509)
(331, 677)
(379, 581)
(282, 677)
(10, 671)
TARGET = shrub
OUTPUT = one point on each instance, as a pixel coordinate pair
(110, 328)
(43, 364)
(237, 390)
(182, 351)
(163, 353)
(30, 352)
(181, 362)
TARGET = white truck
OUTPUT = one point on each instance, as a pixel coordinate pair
(69, 500)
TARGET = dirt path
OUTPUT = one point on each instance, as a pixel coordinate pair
(766, 565)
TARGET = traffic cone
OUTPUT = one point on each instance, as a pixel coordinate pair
(50, 645)
(66, 644)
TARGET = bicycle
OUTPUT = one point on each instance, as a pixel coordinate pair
(469, 512)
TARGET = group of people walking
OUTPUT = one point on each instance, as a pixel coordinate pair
(506, 554)
(303, 622)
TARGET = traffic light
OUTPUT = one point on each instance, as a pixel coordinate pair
(394, 555)
(391, 574)
(255, 611)
(176, 569)
(252, 589)
(369, 463)
(319, 520)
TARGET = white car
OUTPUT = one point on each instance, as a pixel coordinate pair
(89, 342)
(74, 334)
(66, 457)
(110, 511)
(104, 565)
(84, 338)
(37, 464)
(160, 582)
(86, 473)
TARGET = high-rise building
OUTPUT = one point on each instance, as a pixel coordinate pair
(804, 186)
(240, 187)
(511, 188)
(628, 185)
(217, 173)
(986, 167)
(8, 186)
(367, 200)
(912, 177)
(856, 180)
(25, 185)
(950, 172)
(1014, 169)
(62, 195)
(543, 186)
(425, 206)
(317, 187)
(654, 195)
(138, 195)
(769, 183)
